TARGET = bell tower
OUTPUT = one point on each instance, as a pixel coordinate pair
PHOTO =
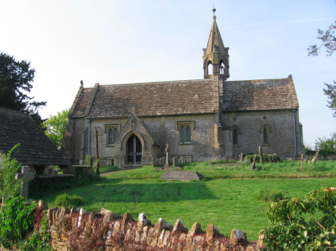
(215, 55)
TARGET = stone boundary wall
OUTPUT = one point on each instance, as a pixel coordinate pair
(76, 229)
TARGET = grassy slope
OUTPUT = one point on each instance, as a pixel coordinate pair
(228, 203)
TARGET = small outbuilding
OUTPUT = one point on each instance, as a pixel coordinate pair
(35, 150)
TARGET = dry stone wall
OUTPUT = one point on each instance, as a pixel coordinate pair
(76, 229)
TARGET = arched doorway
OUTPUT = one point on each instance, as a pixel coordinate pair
(134, 150)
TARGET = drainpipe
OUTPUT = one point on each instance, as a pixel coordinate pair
(89, 137)
(295, 140)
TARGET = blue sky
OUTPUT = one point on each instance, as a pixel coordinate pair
(128, 41)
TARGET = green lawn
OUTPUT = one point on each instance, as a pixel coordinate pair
(226, 198)
(107, 169)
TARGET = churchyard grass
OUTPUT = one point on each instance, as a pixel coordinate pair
(107, 169)
(227, 197)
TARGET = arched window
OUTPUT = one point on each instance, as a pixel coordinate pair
(115, 133)
(235, 136)
(110, 136)
(188, 134)
(265, 141)
(209, 68)
(183, 132)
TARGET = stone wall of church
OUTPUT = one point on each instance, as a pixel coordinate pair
(74, 145)
(164, 130)
(280, 128)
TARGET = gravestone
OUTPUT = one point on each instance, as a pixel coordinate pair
(182, 175)
(261, 155)
(175, 161)
(167, 156)
(26, 176)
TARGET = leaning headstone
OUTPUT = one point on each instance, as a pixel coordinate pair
(253, 163)
(153, 162)
(182, 175)
(261, 155)
(26, 176)
(315, 158)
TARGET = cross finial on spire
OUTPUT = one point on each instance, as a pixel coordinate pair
(214, 11)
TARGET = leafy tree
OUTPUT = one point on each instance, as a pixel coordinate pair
(9, 186)
(55, 127)
(303, 224)
(330, 91)
(328, 39)
(327, 144)
(15, 85)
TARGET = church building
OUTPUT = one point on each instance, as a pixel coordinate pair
(201, 119)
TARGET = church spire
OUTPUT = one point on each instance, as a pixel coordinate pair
(216, 56)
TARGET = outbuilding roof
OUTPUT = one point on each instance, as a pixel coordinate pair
(35, 147)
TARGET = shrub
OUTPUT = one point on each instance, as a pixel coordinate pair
(9, 186)
(307, 224)
(270, 196)
(16, 218)
(65, 200)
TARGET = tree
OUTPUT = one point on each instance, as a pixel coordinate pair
(55, 127)
(328, 145)
(15, 85)
(9, 186)
(328, 40)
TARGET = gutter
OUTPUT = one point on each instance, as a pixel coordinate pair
(89, 136)
(295, 140)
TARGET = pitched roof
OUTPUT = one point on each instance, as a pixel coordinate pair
(81, 101)
(262, 94)
(149, 99)
(183, 97)
(35, 148)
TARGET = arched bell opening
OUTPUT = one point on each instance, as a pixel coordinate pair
(209, 68)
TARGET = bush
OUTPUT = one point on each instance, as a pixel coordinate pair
(307, 224)
(65, 200)
(16, 218)
(9, 186)
(269, 196)
(268, 158)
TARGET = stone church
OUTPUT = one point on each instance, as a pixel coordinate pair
(200, 119)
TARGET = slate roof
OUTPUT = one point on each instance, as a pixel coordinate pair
(269, 94)
(150, 99)
(81, 101)
(183, 97)
(35, 148)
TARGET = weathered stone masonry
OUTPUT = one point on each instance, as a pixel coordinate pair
(104, 230)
